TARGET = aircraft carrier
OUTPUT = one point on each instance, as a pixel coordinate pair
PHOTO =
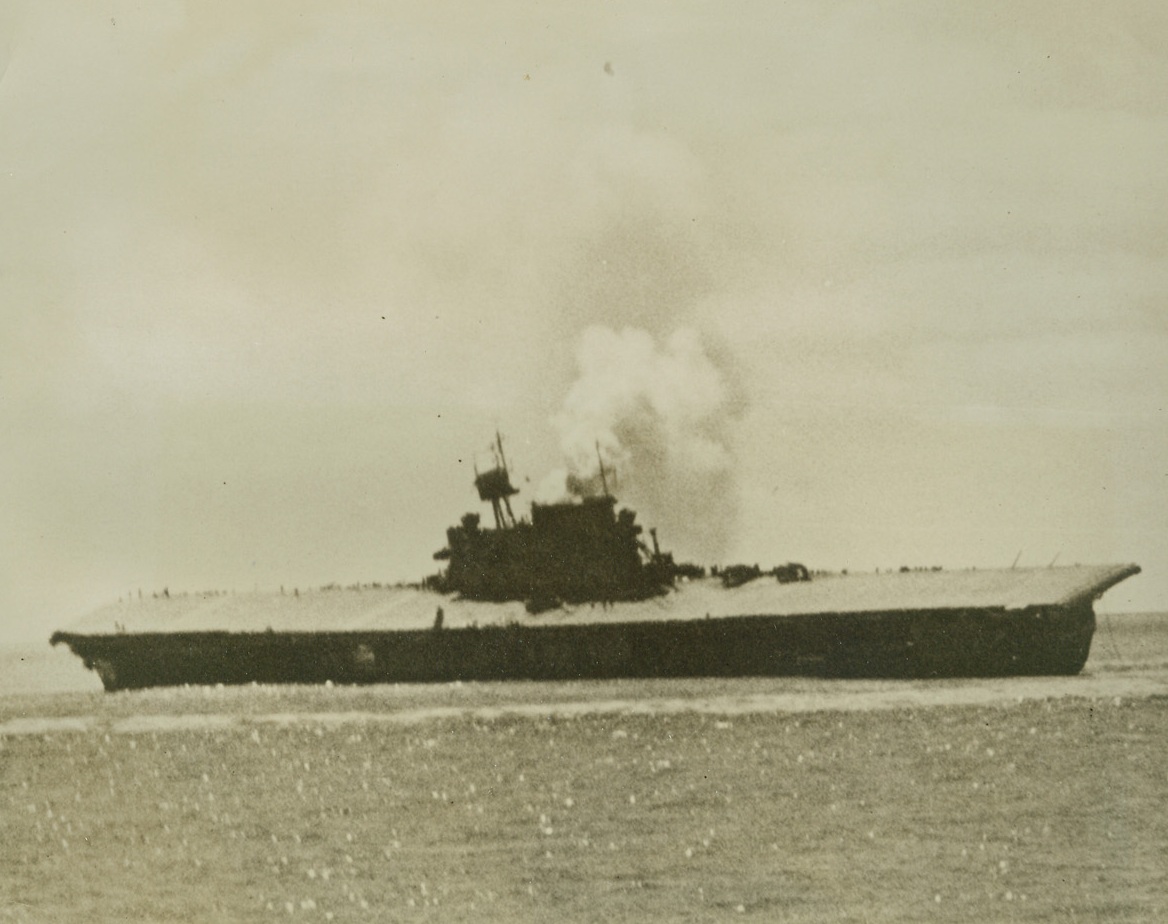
(575, 591)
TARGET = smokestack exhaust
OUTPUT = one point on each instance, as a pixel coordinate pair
(662, 415)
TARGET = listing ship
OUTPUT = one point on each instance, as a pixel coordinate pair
(575, 592)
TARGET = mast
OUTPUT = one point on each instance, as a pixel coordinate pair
(503, 462)
(600, 461)
(494, 486)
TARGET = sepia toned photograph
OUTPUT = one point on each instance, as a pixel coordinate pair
(638, 462)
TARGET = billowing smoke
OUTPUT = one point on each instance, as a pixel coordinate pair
(661, 417)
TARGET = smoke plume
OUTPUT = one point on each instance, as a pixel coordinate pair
(660, 418)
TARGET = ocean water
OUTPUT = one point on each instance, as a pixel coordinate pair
(794, 799)
(43, 669)
(1037, 809)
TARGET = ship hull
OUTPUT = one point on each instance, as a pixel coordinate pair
(906, 644)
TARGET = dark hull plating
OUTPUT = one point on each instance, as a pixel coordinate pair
(891, 644)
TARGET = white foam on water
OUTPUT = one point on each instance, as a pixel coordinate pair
(841, 696)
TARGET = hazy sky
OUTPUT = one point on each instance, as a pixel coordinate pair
(860, 284)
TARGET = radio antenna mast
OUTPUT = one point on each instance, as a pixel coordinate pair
(603, 479)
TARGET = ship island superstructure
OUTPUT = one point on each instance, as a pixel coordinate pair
(574, 551)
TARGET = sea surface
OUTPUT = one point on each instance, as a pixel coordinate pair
(772, 799)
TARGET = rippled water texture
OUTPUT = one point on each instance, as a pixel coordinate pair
(1029, 799)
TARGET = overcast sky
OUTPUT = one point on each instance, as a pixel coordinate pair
(858, 284)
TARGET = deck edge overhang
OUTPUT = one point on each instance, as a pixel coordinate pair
(1090, 592)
